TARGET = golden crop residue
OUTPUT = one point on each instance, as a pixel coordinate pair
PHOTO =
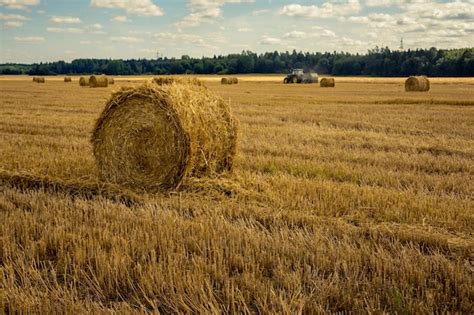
(357, 198)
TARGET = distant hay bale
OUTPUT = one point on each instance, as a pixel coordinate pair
(225, 81)
(67, 79)
(111, 80)
(34, 79)
(171, 80)
(230, 80)
(417, 84)
(327, 82)
(97, 81)
(152, 137)
(84, 81)
(40, 80)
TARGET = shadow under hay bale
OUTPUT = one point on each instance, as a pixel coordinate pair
(40, 80)
(98, 81)
(327, 82)
(84, 81)
(171, 80)
(83, 190)
(152, 137)
(417, 84)
(67, 79)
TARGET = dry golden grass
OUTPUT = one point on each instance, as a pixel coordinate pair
(358, 198)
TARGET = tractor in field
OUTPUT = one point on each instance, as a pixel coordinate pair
(298, 76)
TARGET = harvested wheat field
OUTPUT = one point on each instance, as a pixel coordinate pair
(356, 199)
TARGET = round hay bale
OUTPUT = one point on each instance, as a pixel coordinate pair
(34, 79)
(235, 80)
(84, 81)
(327, 82)
(40, 80)
(111, 80)
(96, 81)
(226, 81)
(67, 79)
(417, 84)
(171, 80)
(152, 137)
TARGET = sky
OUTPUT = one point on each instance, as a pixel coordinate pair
(51, 30)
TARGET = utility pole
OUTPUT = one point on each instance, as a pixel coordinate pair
(401, 44)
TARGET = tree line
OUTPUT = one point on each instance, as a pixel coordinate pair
(376, 62)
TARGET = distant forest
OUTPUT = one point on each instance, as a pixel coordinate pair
(377, 62)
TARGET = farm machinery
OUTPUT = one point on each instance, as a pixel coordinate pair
(298, 76)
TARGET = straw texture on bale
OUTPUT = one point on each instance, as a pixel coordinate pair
(327, 82)
(170, 80)
(152, 137)
(84, 81)
(111, 80)
(40, 80)
(97, 81)
(67, 79)
(417, 84)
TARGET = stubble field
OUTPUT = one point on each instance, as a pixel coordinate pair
(358, 198)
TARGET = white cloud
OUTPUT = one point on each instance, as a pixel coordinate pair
(97, 26)
(13, 17)
(326, 10)
(65, 20)
(135, 7)
(244, 29)
(345, 41)
(260, 12)
(13, 24)
(296, 34)
(13, 20)
(205, 11)
(317, 32)
(126, 39)
(30, 39)
(70, 30)
(441, 11)
(120, 19)
(18, 4)
(179, 38)
(269, 41)
(148, 51)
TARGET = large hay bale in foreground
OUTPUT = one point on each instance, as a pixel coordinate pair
(152, 137)
(417, 84)
(40, 80)
(171, 80)
(67, 79)
(96, 81)
(84, 81)
(111, 80)
(327, 82)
